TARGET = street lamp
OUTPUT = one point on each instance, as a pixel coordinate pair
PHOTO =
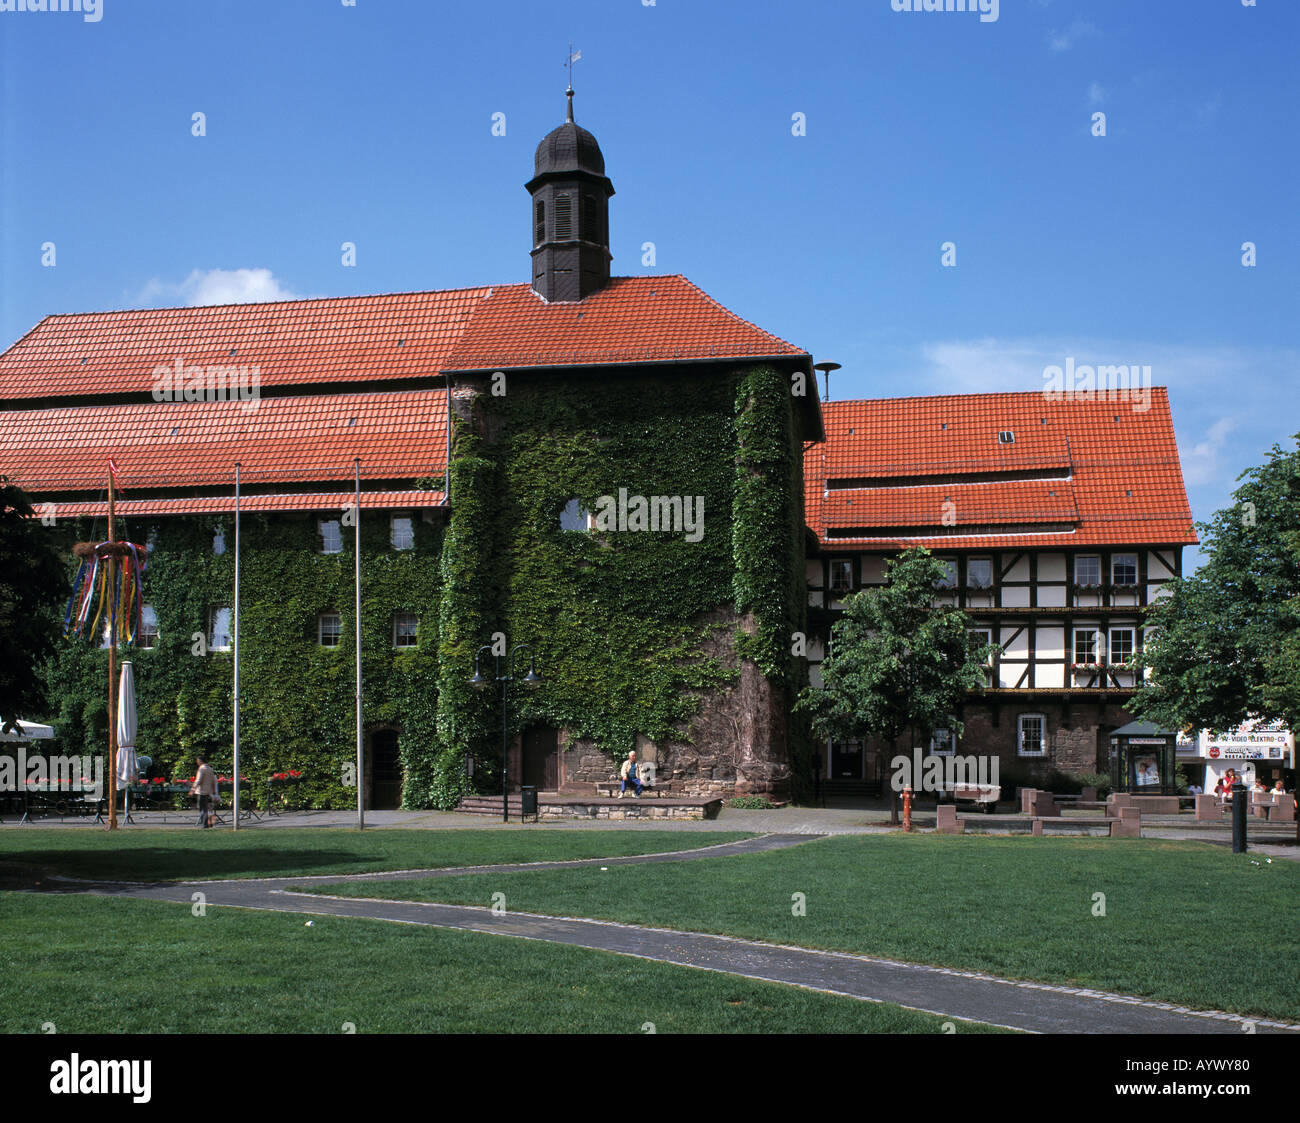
(532, 680)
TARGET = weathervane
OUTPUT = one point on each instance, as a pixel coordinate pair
(573, 57)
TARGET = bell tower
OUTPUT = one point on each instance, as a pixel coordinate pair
(570, 213)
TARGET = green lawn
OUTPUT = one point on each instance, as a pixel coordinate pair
(167, 855)
(97, 965)
(1184, 922)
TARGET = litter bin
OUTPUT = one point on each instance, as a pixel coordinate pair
(528, 802)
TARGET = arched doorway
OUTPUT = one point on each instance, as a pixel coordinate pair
(385, 771)
(540, 767)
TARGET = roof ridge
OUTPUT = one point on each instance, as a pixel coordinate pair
(983, 394)
(469, 289)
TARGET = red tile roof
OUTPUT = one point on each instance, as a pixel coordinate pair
(380, 338)
(397, 435)
(223, 504)
(632, 320)
(1088, 472)
(297, 342)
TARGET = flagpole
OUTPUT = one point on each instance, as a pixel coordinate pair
(361, 787)
(112, 657)
(235, 639)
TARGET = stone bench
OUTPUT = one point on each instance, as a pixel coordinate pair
(1128, 824)
(610, 791)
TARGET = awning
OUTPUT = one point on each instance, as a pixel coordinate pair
(25, 731)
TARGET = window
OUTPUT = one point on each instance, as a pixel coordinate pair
(329, 629)
(148, 636)
(1124, 569)
(401, 532)
(979, 573)
(841, 576)
(575, 516)
(406, 626)
(590, 219)
(1032, 735)
(942, 742)
(563, 217)
(218, 541)
(1087, 570)
(1121, 646)
(1087, 645)
(984, 636)
(1006, 437)
(949, 578)
(331, 534)
(219, 629)
(539, 222)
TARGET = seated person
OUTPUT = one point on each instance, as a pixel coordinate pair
(629, 774)
(1279, 789)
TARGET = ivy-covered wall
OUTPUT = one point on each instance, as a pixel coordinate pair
(624, 624)
(297, 708)
(640, 636)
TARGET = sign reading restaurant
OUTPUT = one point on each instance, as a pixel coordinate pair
(1250, 742)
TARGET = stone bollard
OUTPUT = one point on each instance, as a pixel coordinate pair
(1129, 825)
(1088, 795)
(1027, 800)
(1206, 808)
(1044, 804)
(1038, 828)
(948, 823)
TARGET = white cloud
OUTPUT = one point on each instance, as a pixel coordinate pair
(1201, 461)
(1064, 40)
(219, 286)
(1096, 94)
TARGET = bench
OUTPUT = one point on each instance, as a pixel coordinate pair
(610, 791)
(1127, 825)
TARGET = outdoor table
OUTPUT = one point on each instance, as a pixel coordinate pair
(59, 799)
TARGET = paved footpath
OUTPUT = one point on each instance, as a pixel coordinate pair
(960, 995)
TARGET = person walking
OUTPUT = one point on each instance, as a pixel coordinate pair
(205, 787)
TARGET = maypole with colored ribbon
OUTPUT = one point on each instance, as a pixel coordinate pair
(108, 586)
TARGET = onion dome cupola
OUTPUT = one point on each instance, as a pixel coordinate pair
(570, 213)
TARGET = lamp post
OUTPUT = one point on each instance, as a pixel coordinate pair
(532, 680)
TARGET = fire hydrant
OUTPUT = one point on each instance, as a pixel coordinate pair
(907, 808)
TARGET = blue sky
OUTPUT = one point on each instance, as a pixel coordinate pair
(372, 123)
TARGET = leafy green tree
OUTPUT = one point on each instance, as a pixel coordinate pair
(1224, 645)
(897, 663)
(33, 587)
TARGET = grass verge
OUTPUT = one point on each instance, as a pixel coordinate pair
(169, 855)
(98, 965)
(1182, 922)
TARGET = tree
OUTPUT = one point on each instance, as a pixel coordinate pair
(1224, 645)
(33, 586)
(897, 663)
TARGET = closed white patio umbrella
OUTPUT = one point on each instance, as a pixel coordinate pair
(128, 764)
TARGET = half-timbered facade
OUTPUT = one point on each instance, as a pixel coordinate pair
(1058, 523)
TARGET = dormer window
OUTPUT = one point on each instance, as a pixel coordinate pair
(1006, 437)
